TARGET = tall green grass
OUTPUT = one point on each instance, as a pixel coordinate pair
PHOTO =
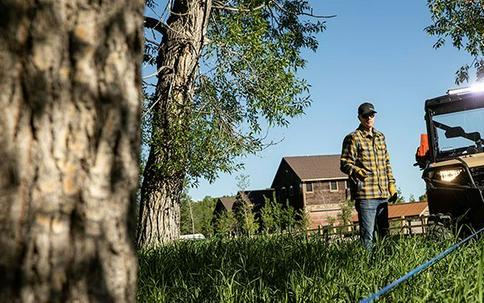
(289, 268)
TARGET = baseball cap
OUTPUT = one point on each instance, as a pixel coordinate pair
(365, 109)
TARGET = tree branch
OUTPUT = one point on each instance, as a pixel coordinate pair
(302, 13)
(234, 9)
(158, 71)
(157, 25)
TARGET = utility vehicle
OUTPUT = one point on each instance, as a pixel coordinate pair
(451, 156)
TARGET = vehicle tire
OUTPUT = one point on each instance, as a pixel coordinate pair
(440, 228)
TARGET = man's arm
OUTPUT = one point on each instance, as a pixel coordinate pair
(348, 155)
(392, 189)
(390, 177)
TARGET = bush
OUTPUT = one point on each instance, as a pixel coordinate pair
(225, 224)
(246, 223)
(277, 218)
(347, 212)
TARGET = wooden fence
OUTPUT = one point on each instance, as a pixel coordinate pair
(408, 226)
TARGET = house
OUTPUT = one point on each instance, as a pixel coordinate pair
(223, 204)
(316, 185)
(312, 183)
(249, 200)
(255, 198)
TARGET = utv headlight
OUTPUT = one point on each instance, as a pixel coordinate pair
(448, 175)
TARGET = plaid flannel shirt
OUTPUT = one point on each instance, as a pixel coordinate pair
(368, 151)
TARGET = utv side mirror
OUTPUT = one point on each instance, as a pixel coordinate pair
(458, 131)
(475, 136)
(454, 132)
(422, 155)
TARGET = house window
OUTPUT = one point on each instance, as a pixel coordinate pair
(309, 187)
(333, 185)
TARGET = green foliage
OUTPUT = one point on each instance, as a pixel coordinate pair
(268, 218)
(302, 223)
(196, 217)
(225, 224)
(287, 268)
(461, 21)
(347, 212)
(423, 197)
(400, 197)
(242, 80)
(246, 82)
(276, 217)
(246, 221)
(186, 216)
(243, 182)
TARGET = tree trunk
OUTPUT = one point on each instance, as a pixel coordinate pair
(69, 140)
(165, 172)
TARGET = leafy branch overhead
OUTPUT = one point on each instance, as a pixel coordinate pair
(462, 22)
(247, 79)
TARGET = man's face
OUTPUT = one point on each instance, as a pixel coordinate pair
(368, 120)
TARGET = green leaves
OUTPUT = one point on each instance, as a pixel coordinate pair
(246, 83)
(248, 80)
(462, 22)
(196, 217)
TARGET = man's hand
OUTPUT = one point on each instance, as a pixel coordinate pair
(392, 189)
(360, 174)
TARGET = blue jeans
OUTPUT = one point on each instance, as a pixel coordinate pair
(372, 217)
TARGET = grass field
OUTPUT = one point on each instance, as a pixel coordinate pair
(289, 268)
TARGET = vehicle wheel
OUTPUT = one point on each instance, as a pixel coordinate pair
(440, 230)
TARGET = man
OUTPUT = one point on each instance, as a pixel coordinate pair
(366, 161)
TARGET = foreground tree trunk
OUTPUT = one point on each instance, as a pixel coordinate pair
(165, 171)
(69, 112)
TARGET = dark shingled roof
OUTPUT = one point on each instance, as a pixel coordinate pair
(227, 202)
(256, 197)
(316, 167)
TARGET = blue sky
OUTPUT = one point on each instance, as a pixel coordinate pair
(375, 51)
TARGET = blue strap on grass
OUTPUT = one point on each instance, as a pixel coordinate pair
(418, 269)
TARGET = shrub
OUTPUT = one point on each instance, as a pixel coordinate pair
(246, 222)
(225, 224)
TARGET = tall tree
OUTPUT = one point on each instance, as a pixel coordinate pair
(197, 216)
(69, 144)
(461, 21)
(226, 71)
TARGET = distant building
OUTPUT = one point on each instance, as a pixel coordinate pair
(312, 183)
(316, 185)
(223, 204)
(257, 198)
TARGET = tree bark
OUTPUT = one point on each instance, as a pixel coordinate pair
(165, 171)
(69, 142)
